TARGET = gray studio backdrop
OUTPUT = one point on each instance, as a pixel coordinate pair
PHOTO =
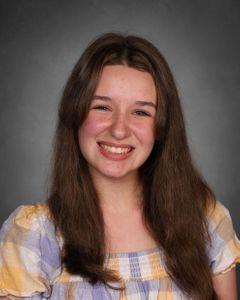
(40, 43)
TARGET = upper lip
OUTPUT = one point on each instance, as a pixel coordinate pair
(115, 145)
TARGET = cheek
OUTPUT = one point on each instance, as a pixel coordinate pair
(90, 128)
(145, 133)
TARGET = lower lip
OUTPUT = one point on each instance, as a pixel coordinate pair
(114, 156)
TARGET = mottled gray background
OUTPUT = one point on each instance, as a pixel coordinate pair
(41, 41)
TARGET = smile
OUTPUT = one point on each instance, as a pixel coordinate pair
(117, 150)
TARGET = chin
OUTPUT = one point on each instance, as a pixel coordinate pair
(113, 173)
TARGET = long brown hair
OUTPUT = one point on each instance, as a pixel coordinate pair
(175, 196)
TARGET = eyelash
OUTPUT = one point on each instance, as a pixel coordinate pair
(102, 107)
(142, 112)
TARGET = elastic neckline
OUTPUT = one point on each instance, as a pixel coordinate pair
(133, 253)
(137, 265)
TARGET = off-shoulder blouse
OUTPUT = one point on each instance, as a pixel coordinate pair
(30, 265)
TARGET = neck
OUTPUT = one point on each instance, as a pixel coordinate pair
(118, 195)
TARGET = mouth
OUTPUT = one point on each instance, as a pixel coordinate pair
(117, 150)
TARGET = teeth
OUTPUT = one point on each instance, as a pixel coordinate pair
(117, 150)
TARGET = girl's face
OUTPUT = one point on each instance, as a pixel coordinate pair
(118, 134)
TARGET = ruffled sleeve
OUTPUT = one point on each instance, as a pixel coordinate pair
(29, 254)
(224, 251)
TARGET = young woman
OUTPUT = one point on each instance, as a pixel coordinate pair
(128, 215)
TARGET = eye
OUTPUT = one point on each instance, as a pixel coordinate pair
(101, 107)
(142, 113)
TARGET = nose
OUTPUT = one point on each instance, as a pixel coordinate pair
(120, 127)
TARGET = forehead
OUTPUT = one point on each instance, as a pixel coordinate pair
(126, 82)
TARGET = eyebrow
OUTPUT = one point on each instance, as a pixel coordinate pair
(139, 102)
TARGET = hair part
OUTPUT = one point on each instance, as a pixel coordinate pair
(175, 196)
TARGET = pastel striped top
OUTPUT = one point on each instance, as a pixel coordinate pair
(30, 264)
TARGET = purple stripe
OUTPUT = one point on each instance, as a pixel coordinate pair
(50, 252)
(143, 287)
(134, 265)
(99, 292)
